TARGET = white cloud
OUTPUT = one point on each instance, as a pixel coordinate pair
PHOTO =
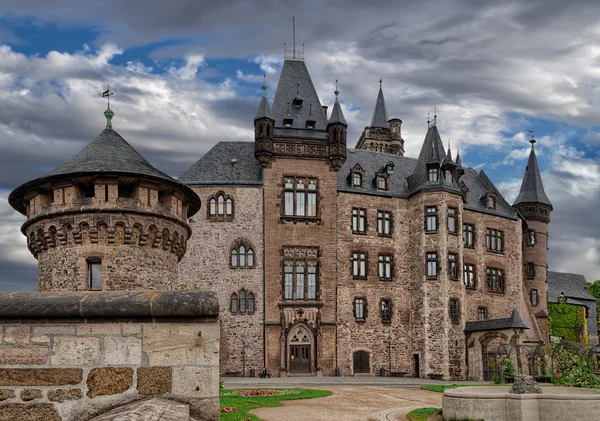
(188, 72)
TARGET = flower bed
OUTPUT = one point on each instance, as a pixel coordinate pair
(254, 392)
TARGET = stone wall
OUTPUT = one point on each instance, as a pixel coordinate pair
(72, 369)
(206, 266)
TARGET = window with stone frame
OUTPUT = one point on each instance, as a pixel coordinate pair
(495, 280)
(449, 176)
(220, 207)
(241, 255)
(482, 313)
(360, 308)
(534, 297)
(359, 265)
(94, 274)
(251, 303)
(452, 220)
(433, 175)
(530, 270)
(242, 301)
(469, 236)
(385, 267)
(300, 197)
(469, 276)
(494, 240)
(300, 273)
(359, 221)
(431, 219)
(382, 182)
(234, 303)
(432, 265)
(385, 307)
(384, 223)
(453, 266)
(357, 179)
(531, 237)
(454, 310)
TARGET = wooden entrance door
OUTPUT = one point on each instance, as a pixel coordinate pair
(300, 358)
(361, 362)
(490, 368)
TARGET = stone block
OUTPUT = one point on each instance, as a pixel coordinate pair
(61, 395)
(29, 412)
(148, 410)
(40, 376)
(75, 351)
(26, 355)
(6, 394)
(40, 339)
(30, 394)
(122, 350)
(169, 344)
(16, 334)
(54, 330)
(131, 329)
(154, 380)
(109, 381)
(99, 329)
(196, 382)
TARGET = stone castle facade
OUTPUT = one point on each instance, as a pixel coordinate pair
(326, 260)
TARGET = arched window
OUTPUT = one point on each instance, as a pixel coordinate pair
(213, 206)
(220, 202)
(229, 206)
(356, 180)
(242, 256)
(250, 258)
(234, 303)
(242, 301)
(250, 303)
(220, 207)
(234, 258)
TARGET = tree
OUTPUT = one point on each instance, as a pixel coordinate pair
(594, 289)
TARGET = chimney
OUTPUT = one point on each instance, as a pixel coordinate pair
(325, 110)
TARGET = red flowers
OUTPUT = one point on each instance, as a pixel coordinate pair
(229, 409)
(257, 392)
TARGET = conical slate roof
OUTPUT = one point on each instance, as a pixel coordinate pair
(264, 111)
(107, 154)
(380, 114)
(337, 116)
(532, 189)
(458, 161)
(432, 152)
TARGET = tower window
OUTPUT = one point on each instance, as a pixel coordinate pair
(431, 219)
(453, 266)
(449, 177)
(531, 238)
(432, 175)
(454, 309)
(381, 182)
(300, 273)
(468, 235)
(88, 190)
(534, 297)
(530, 270)
(300, 197)
(95, 275)
(288, 122)
(482, 313)
(469, 276)
(432, 265)
(452, 220)
(310, 124)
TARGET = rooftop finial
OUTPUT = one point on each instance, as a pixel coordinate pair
(514, 304)
(435, 114)
(294, 30)
(532, 141)
(108, 113)
(264, 87)
(428, 120)
(380, 82)
(336, 92)
(310, 110)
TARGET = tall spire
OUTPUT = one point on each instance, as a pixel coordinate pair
(337, 116)
(532, 188)
(380, 115)
(264, 111)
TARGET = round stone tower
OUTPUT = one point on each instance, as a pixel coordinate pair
(106, 220)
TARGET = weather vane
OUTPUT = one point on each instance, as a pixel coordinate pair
(107, 94)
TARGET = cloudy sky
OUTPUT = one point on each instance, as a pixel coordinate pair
(187, 74)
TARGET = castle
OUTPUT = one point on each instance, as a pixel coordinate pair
(326, 260)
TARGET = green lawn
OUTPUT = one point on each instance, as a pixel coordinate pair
(243, 404)
(420, 414)
(441, 387)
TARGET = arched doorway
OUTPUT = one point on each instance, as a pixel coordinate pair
(490, 342)
(361, 362)
(301, 349)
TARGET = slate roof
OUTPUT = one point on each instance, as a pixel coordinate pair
(380, 114)
(532, 188)
(573, 285)
(479, 184)
(264, 111)
(295, 78)
(216, 167)
(512, 322)
(107, 154)
(337, 116)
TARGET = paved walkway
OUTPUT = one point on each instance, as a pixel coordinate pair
(315, 382)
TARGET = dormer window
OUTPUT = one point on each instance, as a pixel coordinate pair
(310, 124)
(356, 180)
(491, 200)
(288, 122)
(449, 176)
(297, 103)
(433, 175)
(381, 182)
(357, 175)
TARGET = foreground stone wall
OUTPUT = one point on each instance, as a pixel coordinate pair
(75, 369)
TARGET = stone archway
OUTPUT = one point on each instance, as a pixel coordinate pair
(490, 342)
(301, 349)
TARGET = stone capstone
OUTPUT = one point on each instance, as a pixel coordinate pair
(109, 381)
(30, 394)
(148, 410)
(154, 380)
(40, 376)
(525, 384)
(62, 395)
(29, 412)
(6, 394)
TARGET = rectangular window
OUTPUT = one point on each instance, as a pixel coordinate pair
(384, 223)
(359, 308)
(482, 313)
(385, 264)
(534, 297)
(359, 265)
(531, 237)
(494, 240)
(359, 220)
(469, 276)
(300, 280)
(300, 197)
(386, 311)
(432, 265)
(530, 270)
(469, 235)
(95, 274)
(356, 179)
(452, 220)
(452, 266)
(454, 310)
(432, 175)
(381, 182)
(495, 280)
(431, 219)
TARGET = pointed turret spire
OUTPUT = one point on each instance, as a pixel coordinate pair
(337, 116)
(380, 114)
(458, 161)
(264, 111)
(532, 188)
